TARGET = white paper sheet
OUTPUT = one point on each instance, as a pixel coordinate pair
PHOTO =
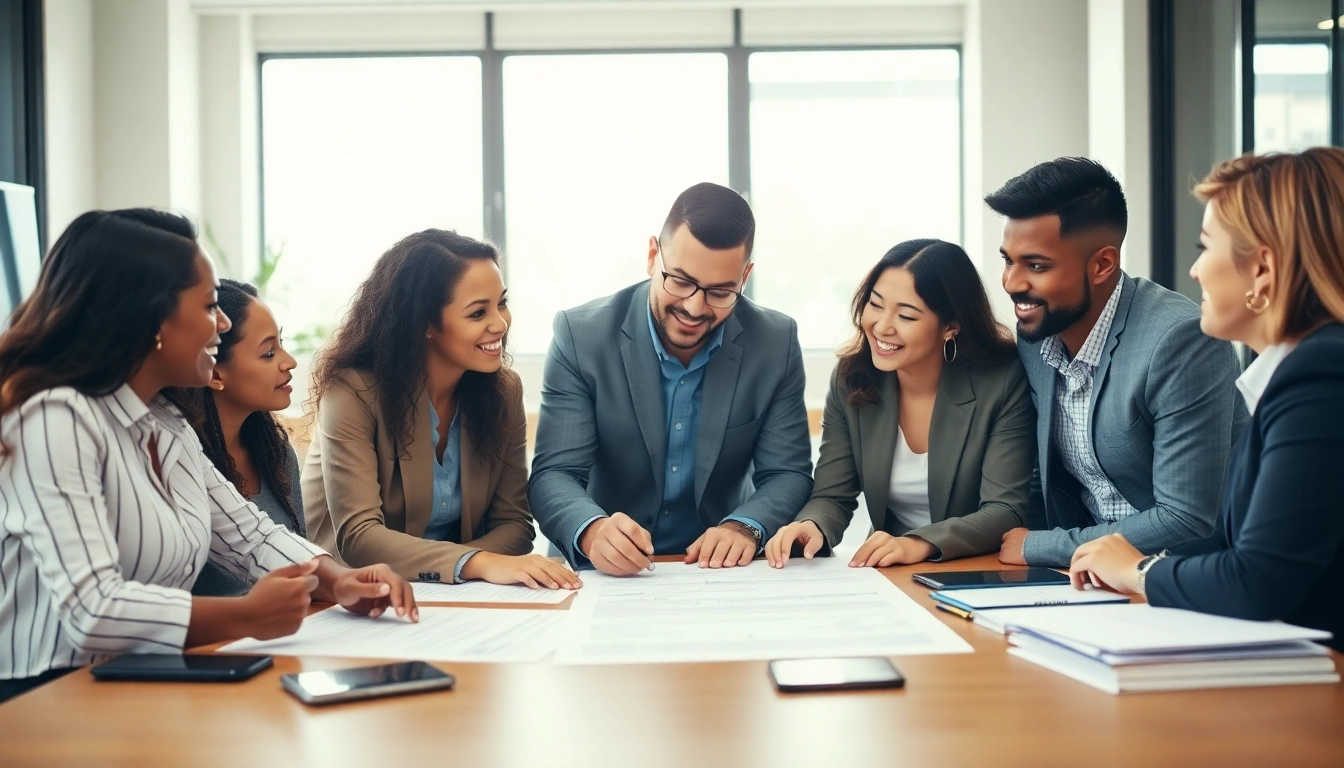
(485, 592)
(443, 634)
(683, 613)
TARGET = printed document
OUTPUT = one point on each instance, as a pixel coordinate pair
(485, 592)
(808, 609)
(443, 634)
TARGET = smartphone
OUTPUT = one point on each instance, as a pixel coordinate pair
(976, 579)
(332, 686)
(176, 667)
(796, 675)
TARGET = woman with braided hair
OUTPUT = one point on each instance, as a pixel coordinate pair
(234, 418)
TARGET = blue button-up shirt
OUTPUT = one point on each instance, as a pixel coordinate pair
(677, 525)
(446, 511)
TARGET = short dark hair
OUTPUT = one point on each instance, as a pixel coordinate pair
(1080, 191)
(717, 216)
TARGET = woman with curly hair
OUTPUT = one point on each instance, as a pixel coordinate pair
(418, 457)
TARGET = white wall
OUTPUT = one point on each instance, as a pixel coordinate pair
(70, 108)
(230, 184)
(1027, 102)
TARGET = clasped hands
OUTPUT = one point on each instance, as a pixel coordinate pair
(619, 546)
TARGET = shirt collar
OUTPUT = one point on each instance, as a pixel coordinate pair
(1053, 353)
(127, 406)
(715, 341)
(1253, 381)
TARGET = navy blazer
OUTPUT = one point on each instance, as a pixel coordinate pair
(1281, 554)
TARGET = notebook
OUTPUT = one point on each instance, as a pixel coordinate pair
(973, 600)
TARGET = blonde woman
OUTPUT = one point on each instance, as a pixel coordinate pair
(1272, 273)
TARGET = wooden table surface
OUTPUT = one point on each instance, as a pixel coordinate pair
(985, 708)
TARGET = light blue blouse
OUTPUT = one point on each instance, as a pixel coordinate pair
(446, 513)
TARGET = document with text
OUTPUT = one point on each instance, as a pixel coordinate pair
(485, 592)
(809, 609)
(443, 634)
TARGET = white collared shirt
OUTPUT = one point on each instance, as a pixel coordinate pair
(1072, 422)
(1255, 378)
(97, 556)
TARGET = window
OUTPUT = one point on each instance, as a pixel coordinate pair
(849, 153)
(358, 153)
(596, 148)
(1292, 96)
(852, 152)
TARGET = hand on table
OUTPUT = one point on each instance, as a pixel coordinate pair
(534, 571)
(780, 546)
(882, 549)
(371, 590)
(616, 545)
(1012, 550)
(1109, 562)
(723, 546)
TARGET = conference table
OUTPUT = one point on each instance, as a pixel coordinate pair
(983, 708)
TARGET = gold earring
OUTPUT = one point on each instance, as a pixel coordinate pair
(1251, 305)
(158, 342)
(218, 386)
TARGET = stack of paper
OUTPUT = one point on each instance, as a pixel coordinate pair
(1125, 648)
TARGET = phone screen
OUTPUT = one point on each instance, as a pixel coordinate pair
(830, 674)
(339, 681)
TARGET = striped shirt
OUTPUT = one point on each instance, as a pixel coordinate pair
(97, 555)
(1072, 423)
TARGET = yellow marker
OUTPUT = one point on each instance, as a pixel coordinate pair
(954, 611)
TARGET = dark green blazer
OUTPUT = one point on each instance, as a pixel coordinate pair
(981, 451)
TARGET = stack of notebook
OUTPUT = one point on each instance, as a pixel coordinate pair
(984, 605)
(1131, 648)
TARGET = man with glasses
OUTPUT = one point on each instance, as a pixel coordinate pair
(672, 417)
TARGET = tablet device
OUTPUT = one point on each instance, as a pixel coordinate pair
(215, 668)
(977, 579)
(332, 686)
(797, 675)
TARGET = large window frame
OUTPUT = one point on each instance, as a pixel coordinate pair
(492, 94)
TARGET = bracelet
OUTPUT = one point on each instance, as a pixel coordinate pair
(750, 532)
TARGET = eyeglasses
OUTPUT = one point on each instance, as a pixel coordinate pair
(721, 298)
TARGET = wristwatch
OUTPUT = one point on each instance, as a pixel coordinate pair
(1143, 567)
(750, 531)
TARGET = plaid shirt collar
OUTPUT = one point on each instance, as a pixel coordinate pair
(1080, 369)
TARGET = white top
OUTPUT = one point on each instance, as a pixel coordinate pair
(908, 495)
(1071, 425)
(1255, 378)
(97, 556)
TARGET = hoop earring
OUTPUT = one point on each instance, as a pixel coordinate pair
(953, 342)
(1250, 299)
(158, 341)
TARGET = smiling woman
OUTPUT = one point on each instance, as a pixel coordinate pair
(109, 506)
(419, 453)
(234, 419)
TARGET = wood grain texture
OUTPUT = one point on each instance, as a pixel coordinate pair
(985, 708)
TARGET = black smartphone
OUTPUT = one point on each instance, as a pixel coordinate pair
(796, 675)
(977, 579)
(332, 686)
(175, 667)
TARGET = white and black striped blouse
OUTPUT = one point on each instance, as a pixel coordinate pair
(97, 557)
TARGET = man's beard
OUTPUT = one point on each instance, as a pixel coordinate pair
(1053, 321)
(661, 319)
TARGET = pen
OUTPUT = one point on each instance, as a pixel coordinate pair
(955, 611)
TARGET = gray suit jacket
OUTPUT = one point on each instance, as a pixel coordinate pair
(1165, 414)
(980, 457)
(602, 432)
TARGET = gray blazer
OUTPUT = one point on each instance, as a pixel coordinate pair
(602, 431)
(980, 458)
(1165, 414)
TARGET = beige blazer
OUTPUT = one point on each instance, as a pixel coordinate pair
(981, 452)
(365, 505)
